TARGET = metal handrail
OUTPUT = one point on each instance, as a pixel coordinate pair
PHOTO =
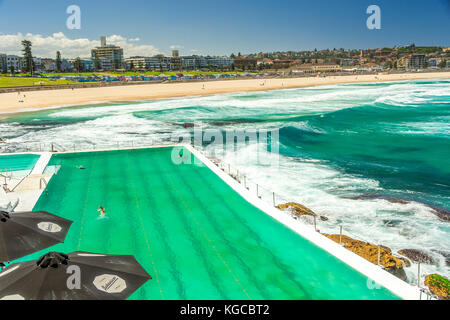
(40, 183)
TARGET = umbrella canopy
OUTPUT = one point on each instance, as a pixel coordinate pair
(23, 233)
(76, 276)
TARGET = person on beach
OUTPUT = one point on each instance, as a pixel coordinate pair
(102, 211)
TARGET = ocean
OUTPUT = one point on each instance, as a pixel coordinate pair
(373, 158)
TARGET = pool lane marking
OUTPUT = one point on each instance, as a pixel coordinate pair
(160, 228)
(209, 240)
(91, 169)
(145, 234)
(195, 237)
(194, 174)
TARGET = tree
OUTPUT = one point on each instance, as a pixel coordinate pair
(11, 68)
(97, 64)
(117, 65)
(58, 61)
(28, 56)
(443, 63)
(78, 65)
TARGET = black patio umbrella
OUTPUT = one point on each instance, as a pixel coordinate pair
(22, 233)
(76, 276)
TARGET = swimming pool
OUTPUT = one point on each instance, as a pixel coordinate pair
(18, 162)
(196, 236)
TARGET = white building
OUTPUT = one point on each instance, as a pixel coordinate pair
(14, 61)
(156, 63)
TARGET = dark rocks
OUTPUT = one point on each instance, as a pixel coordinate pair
(372, 196)
(416, 256)
(392, 223)
(445, 254)
(398, 272)
(442, 213)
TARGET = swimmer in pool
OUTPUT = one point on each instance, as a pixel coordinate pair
(102, 211)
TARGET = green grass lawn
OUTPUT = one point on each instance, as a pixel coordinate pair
(8, 81)
(14, 82)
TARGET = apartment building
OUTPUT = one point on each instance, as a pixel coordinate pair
(110, 56)
(16, 62)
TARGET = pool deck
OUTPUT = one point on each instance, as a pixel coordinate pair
(29, 191)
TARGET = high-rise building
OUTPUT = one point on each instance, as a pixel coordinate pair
(417, 61)
(103, 41)
(110, 56)
(176, 60)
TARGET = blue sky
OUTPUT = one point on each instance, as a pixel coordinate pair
(223, 27)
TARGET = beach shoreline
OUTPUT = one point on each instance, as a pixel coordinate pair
(14, 102)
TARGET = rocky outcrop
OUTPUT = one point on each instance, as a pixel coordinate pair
(299, 210)
(441, 213)
(416, 256)
(438, 285)
(372, 196)
(296, 209)
(369, 252)
(445, 254)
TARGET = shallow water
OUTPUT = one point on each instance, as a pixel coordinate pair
(337, 143)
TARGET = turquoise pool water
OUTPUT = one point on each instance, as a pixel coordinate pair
(196, 236)
(18, 162)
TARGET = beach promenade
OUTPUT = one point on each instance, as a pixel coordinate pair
(25, 101)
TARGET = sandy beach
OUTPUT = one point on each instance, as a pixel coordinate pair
(13, 102)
